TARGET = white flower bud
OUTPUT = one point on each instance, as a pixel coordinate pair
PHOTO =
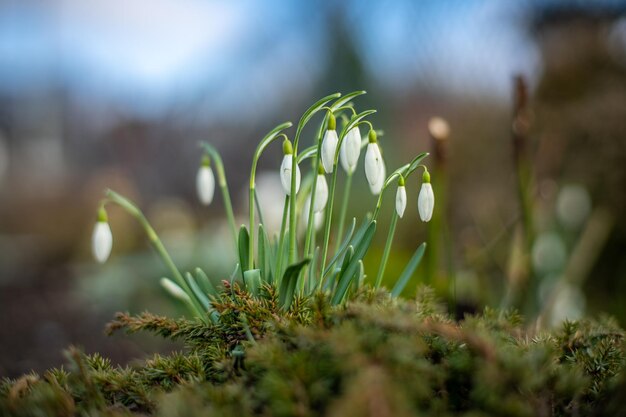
(380, 181)
(426, 202)
(101, 241)
(400, 200)
(285, 174)
(205, 184)
(373, 164)
(329, 148)
(321, 193)
(174, 290)
(350, 150)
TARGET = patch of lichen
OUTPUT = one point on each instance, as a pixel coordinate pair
(376, 355)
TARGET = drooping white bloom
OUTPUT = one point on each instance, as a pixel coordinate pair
(285, 174)
(350, 150)
(426, 202)
(373, 164)
(329, 148)
(400, 200)
(318, 216)
(321, 193)
(380, 181)
(174, 290)
(205, 184)
(101, 241)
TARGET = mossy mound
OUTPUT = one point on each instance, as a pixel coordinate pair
(375, 356)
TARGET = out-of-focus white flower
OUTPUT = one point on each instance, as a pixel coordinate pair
(321, 193)
(573, 205)
(426, 199)
(174, 290)
(205, 182)
(102, 238)
(400, 198)
(329, 145)
(318, 216)
(439, 128)
(548, 253)
(285, 168)
(374, 166)
(350, 150)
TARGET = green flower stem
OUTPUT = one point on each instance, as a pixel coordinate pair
(269, 138)
(344, 206)
(309, 248)
(221, 179)
(329, 215)
(385, 258)
(134, 211)
(281, 242)
(311, 111)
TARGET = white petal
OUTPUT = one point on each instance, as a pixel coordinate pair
(329, 148)
(426, 202)
(400, 200)
(285, 174)
(101, 241)
(205, 185)
(174, 290)
(318, 217)
(382, 175)
(321, 194)
(350, 150)
(373, 163)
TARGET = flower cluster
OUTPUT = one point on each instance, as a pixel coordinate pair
(309, 205)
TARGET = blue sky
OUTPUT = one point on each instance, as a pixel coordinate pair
(146, 54)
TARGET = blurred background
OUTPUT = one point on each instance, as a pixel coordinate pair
(117, 94)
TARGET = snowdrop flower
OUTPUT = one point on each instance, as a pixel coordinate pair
(318, 216)
(174, 290)
(205, 182)
(102, 238)
(350, 150)
(426, 199)
(378, 185)
(374, 167)
(285, 168)
(400, 197)
(329, 145)
(321, 192)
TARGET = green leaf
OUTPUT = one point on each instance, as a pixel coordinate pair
(342, 247)
(314, 109)
(313, 271)
(288, 283)
(409, 270)
(266, 256)
(205, 283)
(346, 99)
(252, 280)
(355, 120)
(243, 242)
(197, 292)
(270, 136)
(347, 274)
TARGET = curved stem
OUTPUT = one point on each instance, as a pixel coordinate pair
(281, 242)
(221, 178)
(385, 258)
(134, 211)
(344, 206)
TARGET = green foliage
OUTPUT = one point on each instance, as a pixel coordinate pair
(373, 355)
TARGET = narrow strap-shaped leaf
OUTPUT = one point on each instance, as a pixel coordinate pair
(342, 247)
(252, 280)
(201, 276)
(347, 274)
(288, 283)
(243, 242)
(409, 270)
(205, 283)
(345, 99)
(197, 292)
(313, 271)
(313, 109)
(357, 280)
(261, 260)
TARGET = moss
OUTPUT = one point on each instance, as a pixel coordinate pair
(374, 356)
